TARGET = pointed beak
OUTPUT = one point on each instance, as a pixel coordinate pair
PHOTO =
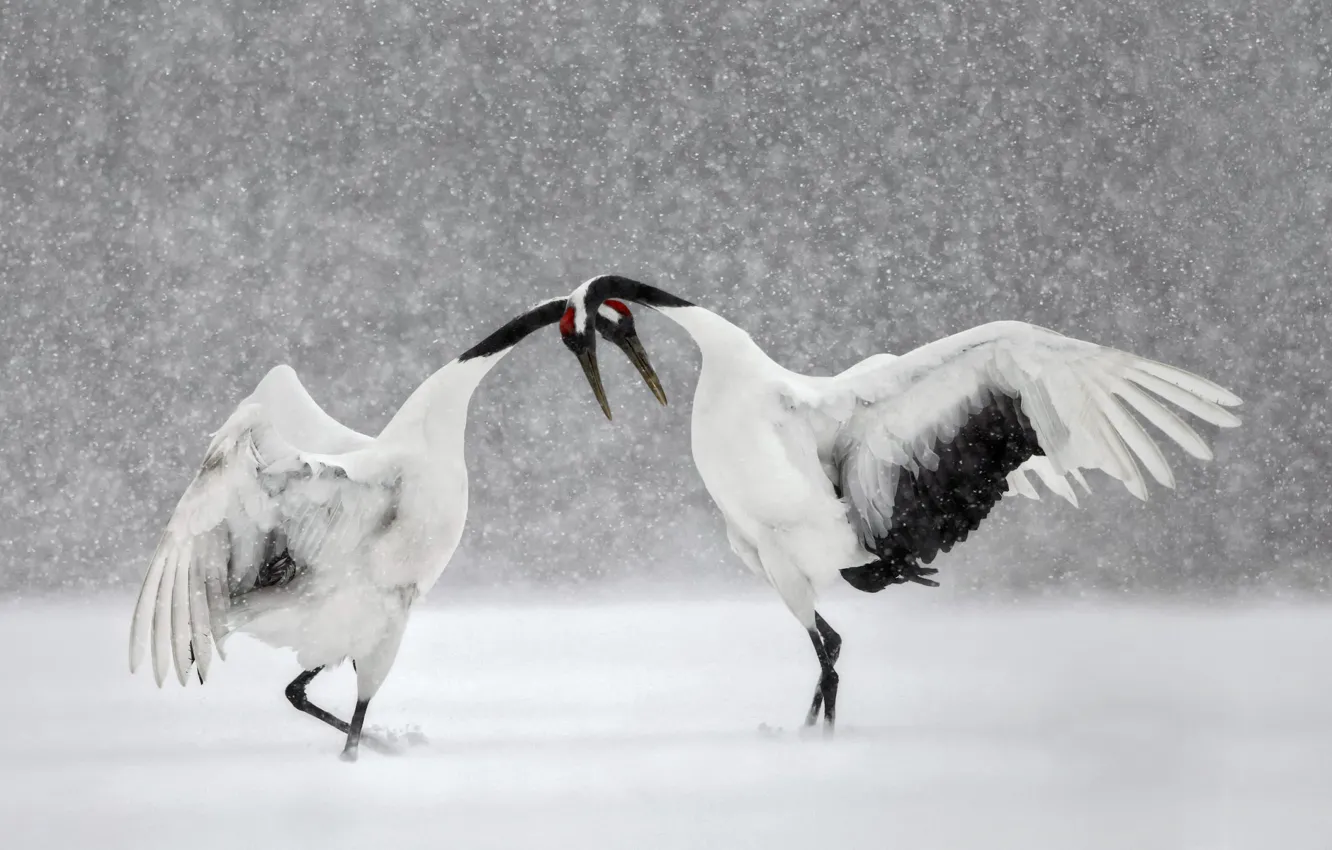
(633, 349)
(588, 359)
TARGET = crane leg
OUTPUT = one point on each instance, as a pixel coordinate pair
(296, 696)
(349, 752)
(828, 647)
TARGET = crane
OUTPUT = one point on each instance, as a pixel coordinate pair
(307, 534)
(867, 475)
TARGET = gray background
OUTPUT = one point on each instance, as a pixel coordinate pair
(191, 193)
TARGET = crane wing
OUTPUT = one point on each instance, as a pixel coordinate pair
(299, 418)
(929, 441)
(1018, 482)
(258, 513)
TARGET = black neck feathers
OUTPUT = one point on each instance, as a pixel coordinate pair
(614, 286)
(517, 329)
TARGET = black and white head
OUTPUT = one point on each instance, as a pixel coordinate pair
(615, 323)
(585, 312)
(612, 320)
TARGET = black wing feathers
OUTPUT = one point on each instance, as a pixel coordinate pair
(934, 509)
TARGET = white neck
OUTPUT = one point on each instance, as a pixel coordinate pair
(722, 344)
(435, 415)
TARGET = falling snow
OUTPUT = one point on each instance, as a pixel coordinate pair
(193, 192)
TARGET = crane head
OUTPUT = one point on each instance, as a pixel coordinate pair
(616, 325)
(587, 306)
(614, 321)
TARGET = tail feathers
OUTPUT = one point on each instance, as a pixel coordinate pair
(869, 578)
(873, 577)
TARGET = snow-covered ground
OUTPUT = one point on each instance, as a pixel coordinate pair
(647, 724)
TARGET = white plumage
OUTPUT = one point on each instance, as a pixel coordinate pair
(310, 535)
(867, 474)
(1073, 393)
(257, 495)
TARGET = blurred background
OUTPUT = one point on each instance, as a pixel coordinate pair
(191, 193)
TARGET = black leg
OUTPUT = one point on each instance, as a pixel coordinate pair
(296, 696)
(354, 733)
(828, 647)
(832, 641)
(832, 644)
(813, 716)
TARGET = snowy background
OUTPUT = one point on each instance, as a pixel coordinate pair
(192, 192)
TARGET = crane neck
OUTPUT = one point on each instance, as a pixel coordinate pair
(720, 341)
(436, 413)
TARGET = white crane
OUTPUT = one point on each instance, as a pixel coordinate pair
(868, 474)
(309, 535)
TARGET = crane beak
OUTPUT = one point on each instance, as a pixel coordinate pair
(633, 349)
(588, 360)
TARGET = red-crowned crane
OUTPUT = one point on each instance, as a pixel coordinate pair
(867, 475)
(309, 535)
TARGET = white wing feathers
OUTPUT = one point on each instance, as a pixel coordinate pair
(299, 418)
(1076, 395)
(1019, 483)
(253, 484)
(1017, 480)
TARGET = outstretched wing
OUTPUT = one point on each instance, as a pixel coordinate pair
(299, 418)
(258, 513)
(928, 441)
(1018, 482)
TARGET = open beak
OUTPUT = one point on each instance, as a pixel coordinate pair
(633, 349)
(588, 359)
